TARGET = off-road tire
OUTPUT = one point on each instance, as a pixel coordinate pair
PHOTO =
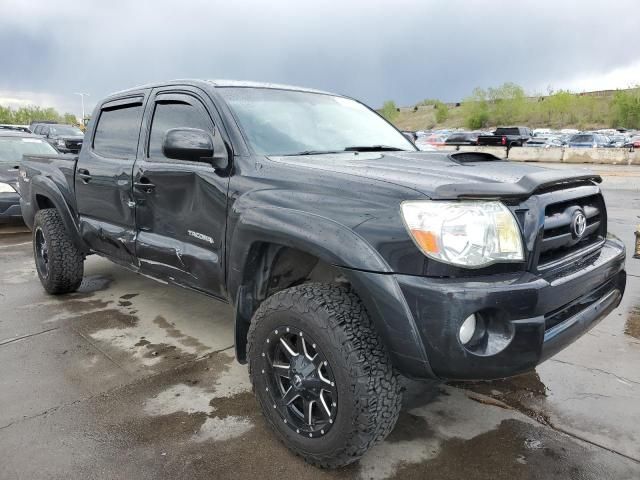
(65, 266)
(369, 393)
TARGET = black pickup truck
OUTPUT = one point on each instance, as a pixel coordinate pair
(506, 137)
(66, 138)
(348, 255)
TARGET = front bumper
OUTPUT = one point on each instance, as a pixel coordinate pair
(10, 207)
(535, 316)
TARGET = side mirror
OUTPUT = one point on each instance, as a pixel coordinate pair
(192, 144)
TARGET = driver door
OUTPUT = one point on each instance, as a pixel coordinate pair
(180, 205)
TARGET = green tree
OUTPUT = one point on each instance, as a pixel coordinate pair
(557, 108)
(475, 109)
(442, 112)
(389, 110)
(507, 103)
(70, 118)
(6, 115)
(625, 109)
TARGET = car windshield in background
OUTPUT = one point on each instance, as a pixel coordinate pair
(286, 122)
(13, 148)
(66, 130)
(581, 139)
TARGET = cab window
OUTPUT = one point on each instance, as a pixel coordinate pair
(117, 131)
(174, 114)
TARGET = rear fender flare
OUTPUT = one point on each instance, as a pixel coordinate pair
(47, 188)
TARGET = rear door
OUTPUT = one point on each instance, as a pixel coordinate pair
(180, 205)
(103, 179)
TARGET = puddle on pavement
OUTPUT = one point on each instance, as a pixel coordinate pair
(502, 453)
(182, 338)
(94, 283)
(520, 392)
(632, 326)
(218, 406)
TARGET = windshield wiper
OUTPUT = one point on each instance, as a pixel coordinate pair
(363, 148)
(374, 148)
(312, 152)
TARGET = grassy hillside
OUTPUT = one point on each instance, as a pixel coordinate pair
(425, 118)
(508, 105)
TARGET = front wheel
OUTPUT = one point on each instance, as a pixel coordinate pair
(59, 263)
(321, 374)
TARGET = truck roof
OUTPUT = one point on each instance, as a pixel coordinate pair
(219, 83)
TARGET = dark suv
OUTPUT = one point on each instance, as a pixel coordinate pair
(65, 138)
(347, 254)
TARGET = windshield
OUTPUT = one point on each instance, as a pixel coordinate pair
(66, 130)
(284, 122)
(12, 148)
(582, 139)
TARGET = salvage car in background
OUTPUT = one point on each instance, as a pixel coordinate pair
(589, 140)
(434, 140)
(506, 137)
(13, 145)
(633, 142)
(462, 138)
(66, 138)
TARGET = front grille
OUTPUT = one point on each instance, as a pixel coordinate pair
(73, 144)
(559, 241)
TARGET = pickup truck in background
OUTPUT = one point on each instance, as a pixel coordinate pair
(65, 138)
(506, 137)
(349, 256)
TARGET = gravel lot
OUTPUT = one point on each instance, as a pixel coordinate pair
(129, 378)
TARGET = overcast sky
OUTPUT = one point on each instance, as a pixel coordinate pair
(404, 50)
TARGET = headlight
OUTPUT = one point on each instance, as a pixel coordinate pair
(6, 188)
(60, 142)
(470, 234)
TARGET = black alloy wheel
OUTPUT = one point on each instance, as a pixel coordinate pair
(41, 250)
(300, 381)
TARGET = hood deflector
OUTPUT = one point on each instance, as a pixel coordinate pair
(525, 187)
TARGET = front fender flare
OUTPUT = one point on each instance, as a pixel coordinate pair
(326, 239)
(338, 245)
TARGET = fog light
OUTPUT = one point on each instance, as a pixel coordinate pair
(467, 329)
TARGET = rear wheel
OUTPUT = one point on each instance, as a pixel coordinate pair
(321, 374)
(59, 263)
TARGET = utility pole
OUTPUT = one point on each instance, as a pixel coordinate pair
(82, 95)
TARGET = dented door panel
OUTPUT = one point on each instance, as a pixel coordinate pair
(181, 225)
(181, 219)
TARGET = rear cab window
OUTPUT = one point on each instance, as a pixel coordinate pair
(507, 131)
(118, 129)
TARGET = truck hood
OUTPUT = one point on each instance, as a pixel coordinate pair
(443, 175)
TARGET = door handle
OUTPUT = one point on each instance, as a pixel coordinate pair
(84, 174)
(145, 185)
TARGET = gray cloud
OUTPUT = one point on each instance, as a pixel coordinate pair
(374, 50)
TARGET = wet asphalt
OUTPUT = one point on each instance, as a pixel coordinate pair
(130, 378)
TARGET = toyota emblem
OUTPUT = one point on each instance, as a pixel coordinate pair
(578, 224)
